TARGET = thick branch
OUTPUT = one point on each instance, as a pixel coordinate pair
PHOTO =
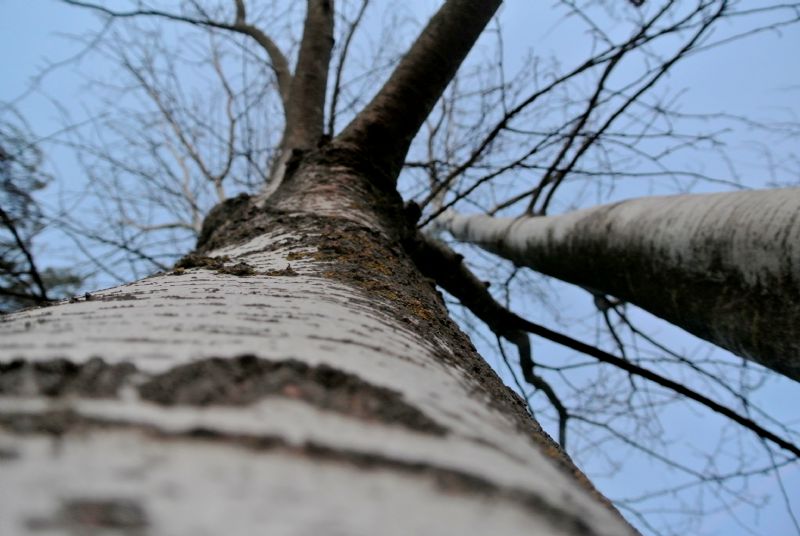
(305, 114)
(383, 130)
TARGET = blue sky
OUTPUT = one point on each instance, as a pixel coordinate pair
(758, 77)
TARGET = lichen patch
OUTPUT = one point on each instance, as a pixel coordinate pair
(218, 264)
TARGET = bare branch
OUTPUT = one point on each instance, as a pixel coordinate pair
(590, 139)
(278, 61)
(520, 338)
(241, 13)
(337, 83)
(8, 222)
(305, 114)
(230, 145)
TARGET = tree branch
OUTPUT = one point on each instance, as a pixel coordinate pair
(383, 130)
(557, 179)
(522, 342)
(337, 83)
(446, 267)
(305, 114)
(32, 270)
(278, 61)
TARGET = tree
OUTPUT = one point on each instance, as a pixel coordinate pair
(316, 290)
(22, 281)
(728, 262)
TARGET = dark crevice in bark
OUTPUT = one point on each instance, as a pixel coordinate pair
(121, 516)
(447, 480)
(247, 379)
(230, 209)
(221, 265)
(235, 381)
(8, 454)
(60, 377)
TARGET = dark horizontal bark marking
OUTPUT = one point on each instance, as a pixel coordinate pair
(222, 382)
(246, 379)
(449, 481)
(126, 517)
(117, 296)
(60, 377)
(8, 454)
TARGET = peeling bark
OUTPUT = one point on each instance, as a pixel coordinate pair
(725, 267)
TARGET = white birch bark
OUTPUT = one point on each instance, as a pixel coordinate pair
(725, 267)
(286, 401)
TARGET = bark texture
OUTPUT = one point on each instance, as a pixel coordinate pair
(296, 375)
(725, 267)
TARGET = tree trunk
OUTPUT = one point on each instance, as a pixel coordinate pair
(725, 267)
(296, 375)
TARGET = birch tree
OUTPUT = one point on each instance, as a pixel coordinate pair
(301, 352)
(723, 266)
(349, 426)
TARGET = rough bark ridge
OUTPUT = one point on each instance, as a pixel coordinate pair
(725, 267)
(298, 349)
